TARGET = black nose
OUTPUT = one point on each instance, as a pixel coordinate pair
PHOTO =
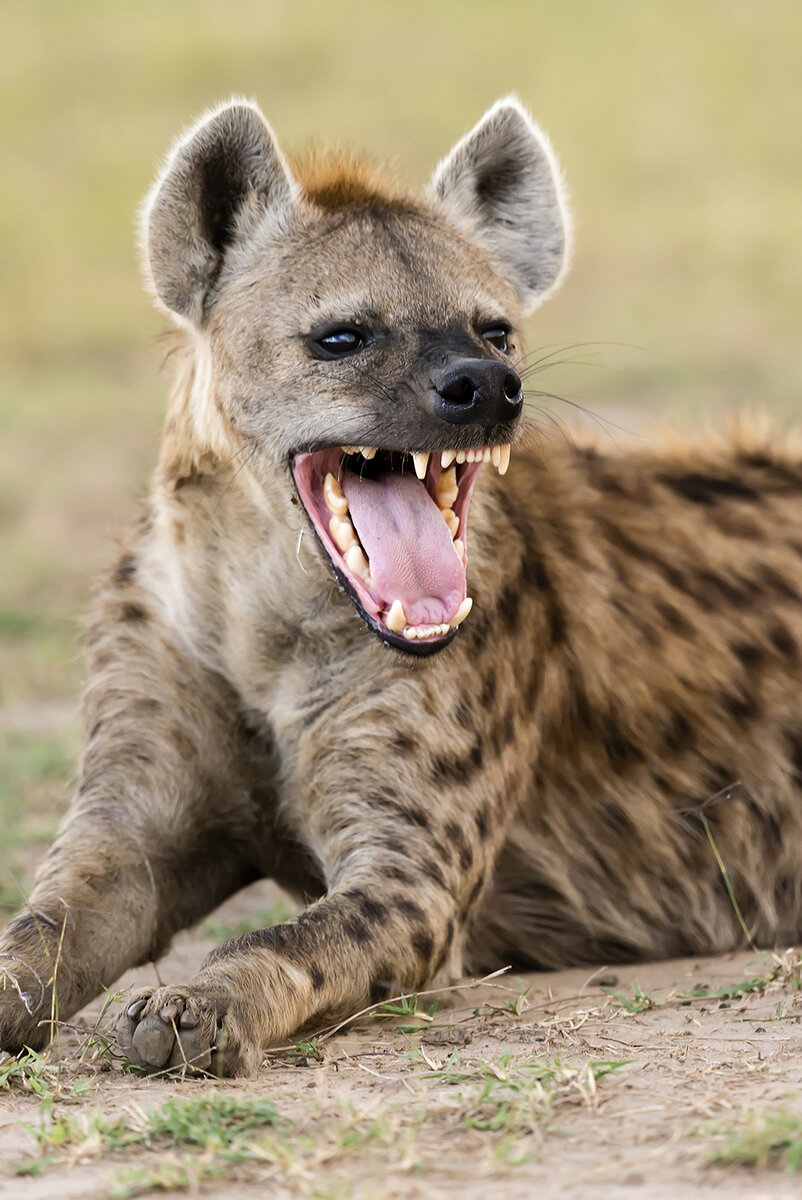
(477, 390)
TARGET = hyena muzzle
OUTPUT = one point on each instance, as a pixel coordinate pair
(294, 673)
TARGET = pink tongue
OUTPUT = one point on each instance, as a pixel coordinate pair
(412, 557)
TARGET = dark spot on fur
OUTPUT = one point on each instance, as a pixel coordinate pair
(126, 569)
(407, 907)
(679, 734)
(404, 744)
(453, 832)
(133, 612)
(489, 687)
(509, 607)
(414, 816)
(355, 929)
(475, 892)
(794, 742)
(708, 489)
(481, 825)
(615, 818)
(317, 976)
(431, 870)
(674, 618)
(743, 706)
(399, 874)
(783, 641)
(423, 944)
(620, 749)
(370, 909)
(456, 769)
(382, 986)
(466, 858)
(749, 654)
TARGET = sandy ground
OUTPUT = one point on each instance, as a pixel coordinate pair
(376, 1118)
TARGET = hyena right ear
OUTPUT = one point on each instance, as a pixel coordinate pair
(224, 174)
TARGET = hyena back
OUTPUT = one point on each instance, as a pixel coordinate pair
(294, 673)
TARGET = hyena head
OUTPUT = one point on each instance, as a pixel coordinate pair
(358, 345)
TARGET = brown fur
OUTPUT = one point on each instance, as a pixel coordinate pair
(538, 792)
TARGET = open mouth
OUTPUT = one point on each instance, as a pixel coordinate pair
(395, 528)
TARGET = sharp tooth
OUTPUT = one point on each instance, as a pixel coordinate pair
(333, 495)
(355, 561)
(451, 519)
(459, 546)
(503, 460)
(495, 455)
(462, 612)
(350, 449)
(421, 461)
(447, 488)
(396, 618)
(447, 458)
(342, 531)
(461, 456)
(368, 451)
(485, 454)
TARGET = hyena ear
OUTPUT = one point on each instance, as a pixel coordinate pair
(220, 177)
(501, 184)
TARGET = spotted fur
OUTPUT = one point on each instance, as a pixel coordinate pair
(542, 790)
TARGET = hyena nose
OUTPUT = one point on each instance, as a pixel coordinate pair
(478, 391)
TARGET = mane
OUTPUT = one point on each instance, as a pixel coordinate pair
(343, 179)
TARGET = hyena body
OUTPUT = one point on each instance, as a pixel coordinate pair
(535, 781)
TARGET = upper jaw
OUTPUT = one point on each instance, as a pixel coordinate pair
(378, 515)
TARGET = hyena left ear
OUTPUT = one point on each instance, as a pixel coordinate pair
(501, 184)
(222, 177)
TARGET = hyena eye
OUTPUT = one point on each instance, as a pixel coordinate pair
(497, 336)
(336, 343)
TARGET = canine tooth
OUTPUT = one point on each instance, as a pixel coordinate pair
(447, 488)
(396, 618)
(368, 451)
(333, 495)
(459, 546)
(447, 458)
(503, 460)
(451, 519)
(421, 461)
(462, 612)
(461, 456)
(342, 531)
(355, 561)
(495, 455)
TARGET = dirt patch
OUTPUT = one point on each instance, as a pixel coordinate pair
(621, 1082)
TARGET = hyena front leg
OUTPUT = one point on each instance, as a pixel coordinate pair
(159, 832)
(401, 882)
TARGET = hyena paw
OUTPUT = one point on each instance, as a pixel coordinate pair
(182, 1029)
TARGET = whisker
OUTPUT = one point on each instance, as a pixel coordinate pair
(604, 423)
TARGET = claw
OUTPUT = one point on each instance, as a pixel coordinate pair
(136, 1008)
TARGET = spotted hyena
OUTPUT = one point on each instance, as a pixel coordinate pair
(459, 742)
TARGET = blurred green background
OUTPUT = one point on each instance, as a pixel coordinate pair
(679, 126)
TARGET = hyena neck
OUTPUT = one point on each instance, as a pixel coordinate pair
(206, 484)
